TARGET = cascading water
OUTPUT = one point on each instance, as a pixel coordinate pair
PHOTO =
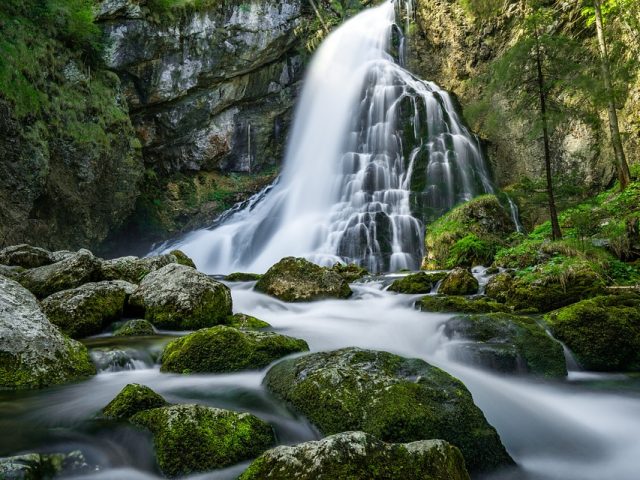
(374, 153)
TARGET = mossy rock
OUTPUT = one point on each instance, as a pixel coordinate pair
(182, 258)
(421, 282)
(498, 286)
(226, 349)
(86, 310)
(177, 297)
(134, 269)
(243, 277)
(193, 438)
(396, 399)
(508, 343)
(132, 399)
(246, 322)
(135, 328)
(72, 272)
(459, 281)
(359, 456)
(350, 272)
(25, 256)
(457, 303)
(37, 466)
(33, 352)
(603, 332)
(298, 280)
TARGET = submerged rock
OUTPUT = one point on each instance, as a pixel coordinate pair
(227, 349)
(242, 277)
(507, 343)
(134, 269)
(459, 281)
(33, 352)
(421, 282)
(181, 298)
(458, 303)
(603, 332)
(35, 466)
(298, 280)
(194, 438)
(71, 272)
(350, 272)
(135, 328)
(359, 456)
(86, 310)
(246, 322)
(132, 399)
(393, 398)
(25, 256)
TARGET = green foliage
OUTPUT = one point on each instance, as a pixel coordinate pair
(469, 251)
(481, 8)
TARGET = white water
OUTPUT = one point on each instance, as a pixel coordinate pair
(367, 134)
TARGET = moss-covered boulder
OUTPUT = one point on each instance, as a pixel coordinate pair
(227, 349)
(359, 456)
(182, 258)
(459, 281)
(457, 303)
(135, 328)
(132, 399)
(350, 271)
(507, 343)
(421, 282)
(396, 399)
(71, 272)
(134, 269)
(194, 438)
(498, 286)
(242, 277)
(298, 280)
(86, 310)
(181, 298)
(603, 332)
(33, 352)
(246, 322)
(36, 466)
(468, 235)
(25, 256)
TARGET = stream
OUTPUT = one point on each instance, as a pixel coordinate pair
(587, 427)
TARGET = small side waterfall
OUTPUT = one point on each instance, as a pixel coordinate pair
(374, 153)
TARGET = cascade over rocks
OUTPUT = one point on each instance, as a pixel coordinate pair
(33, 352)
(225, 349)
(86, 310)
(181, 298)
(193, 438)
(459, 281)
(393, 398)
(359, 456)
(298, 280)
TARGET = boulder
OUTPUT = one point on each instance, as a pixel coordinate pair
(298, 280)
(33, 352)
(226, 349)
(182, 258)
(194, 438)
(498, 286)
(132, 399)
(134, 269)
(11, 272)
(457, 303)
(25, 256)
(421, 282)
(181, 298)
(350, 272)
(135, 328)
(71, 272)
(86, 310)
(603, 332)
(35, 466)
(459, 281)
(242, 277)
(507, 343)
(396, 399)
(246, 322)
(359, 456)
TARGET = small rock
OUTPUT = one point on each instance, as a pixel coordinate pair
(457, 303)
(350, 272)
(242, 277)
(34, 466)
(421, 282)
(246, 322)
(132, 399)
(135, 328)
(459, 281)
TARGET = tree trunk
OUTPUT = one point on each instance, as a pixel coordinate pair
(556, 233)
(621, 162)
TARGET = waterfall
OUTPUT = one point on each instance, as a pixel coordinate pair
(374, 153)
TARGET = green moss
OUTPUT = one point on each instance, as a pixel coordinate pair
(420, 282)
(459, 281)
(132, 399)
(226, 349)
(603, 333)
(350, 272)
(456, 303)
(182, 259)
(194, 438)
(242, 277)
(247, 322)
(390, 397)
(135, 328)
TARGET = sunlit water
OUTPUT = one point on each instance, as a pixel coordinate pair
(554, 430)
